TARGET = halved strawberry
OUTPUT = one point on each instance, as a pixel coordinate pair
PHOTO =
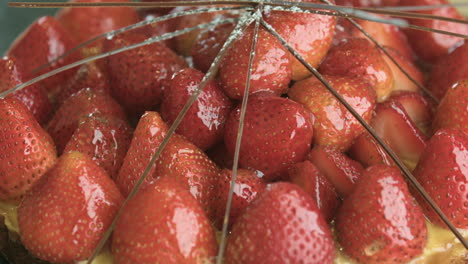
(452, 111)
(379, 222)
(283, 225)
(418, 108)
(204, 122)
(443, 173)
(65, 215)
(368, 152)
(306, 175)
(339, 169)
(163, 223)
(27, 151)
(401, 81)
(277, 133)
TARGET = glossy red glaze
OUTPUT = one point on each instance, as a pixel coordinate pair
(419, 109)
(368, 152)
(452, 111)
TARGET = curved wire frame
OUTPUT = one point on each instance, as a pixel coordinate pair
(250, 12)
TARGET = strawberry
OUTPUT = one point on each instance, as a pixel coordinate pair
(34, 96)
(368, 152)
(204, 123)
(448, 70)
(139, 76)
(306, 175)
(379, 222)
(163, 224)
(220, 156)
(271, 69)
(366, 3)
(283, 225)
(309, 34)
(104, 139)
(65, 215)
(75, 109)
(27, 151)
(277, 133)
(452, 111)
(443, 173)
(356, 57)
(335, 125)
(418, 108)
(247, 187)
(338, 168)
(43, 41)
(431, 46)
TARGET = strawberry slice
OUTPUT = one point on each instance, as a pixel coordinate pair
(27, 151)
(335, 125)
(66, 214)
(306, 175)
(338, 168)
(392, 123)
(163, 224)
(77, 108)
(443, 173)
(204, 123)
(379, 222)
(368, 152)
(283, 225)
(277, 133)
(452, 111)
(418, 108)
(104, 139)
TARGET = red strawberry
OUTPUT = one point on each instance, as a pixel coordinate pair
(443, 173)
(67, 212)
(448, 71)
(247, 187)
(309, 34)
(139, 76)
(272, 68)
(335, 126)
(277, 133)
(452, 111)
(27, 151)
(34, 96)
(75, 109)
(418, 108)
(43, 41)
(147, 137)
(368, 152)
(356, 57)
(104, 139)
(163, 224)
(87, 76)
(380, 222)
(220, 156)
(283, 225)
(306, 175)
(431, 46)
(338, 168)
(204, 123)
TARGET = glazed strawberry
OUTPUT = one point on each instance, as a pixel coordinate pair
(368, 152)
(65, 215)
(139, 76)
(271, 69)
(448, 71)
(247, 187)
(418, 108)
(380, 222)
(42, 42)
(277, 133)
(27, 150)
(147, 137)
(452, 111)
(306, 175)
(103, 138)
(442, 172)
(204, 123)
(163, 224)
(431, 46)
(357, 58)
(392, 123)
(338, 168)
(75, 109)
(88, 76)
(34, 96)
(283, 225)
(86, 23)
(309, 34)
(335, 125)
